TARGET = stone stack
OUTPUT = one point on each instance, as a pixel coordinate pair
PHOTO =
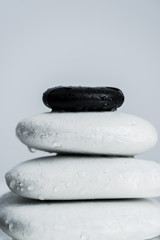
(93, 187)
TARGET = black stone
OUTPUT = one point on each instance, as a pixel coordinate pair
(81, 99)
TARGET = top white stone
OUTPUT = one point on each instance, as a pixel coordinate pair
(110, 133)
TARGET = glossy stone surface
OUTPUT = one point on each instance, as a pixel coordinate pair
(78, 99)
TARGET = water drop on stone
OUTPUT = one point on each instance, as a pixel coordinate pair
(56, 145)
(104, 98)
(21, 184)
(81, 174)
(24, 133)
(63, 217)
(7, 221)
(12, 184)
(132, 124)
(58, 227)
(29, 188)
(32, 150)
(22, 189)
(68, 185)
(55, 189)
(84, 236)
(99, 178)
(43, 136)
(41, 197)
(83, 192)
(11, 227)
(107, 187)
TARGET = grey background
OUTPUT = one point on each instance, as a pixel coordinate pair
(86, 42)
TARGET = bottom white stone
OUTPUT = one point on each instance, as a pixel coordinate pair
(24, 219)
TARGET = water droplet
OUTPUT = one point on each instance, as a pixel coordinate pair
(11, 227)
(41, 197)
(104, 98)
(7, 221)
(100, 178)
(84, 236)
(32, 150)
(132, 124)
(22, 189)
(43, 136)
(55, 189)
(25, 133)
(63, 217)
(58, 227)
(107, 187)
(56, 145)
(29, 188)
(12, 184)
(81, 174)
(21, 184)
(83, 192)
(68, 185)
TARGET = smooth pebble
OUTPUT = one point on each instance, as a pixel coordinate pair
(85, 177)
(82, 220)
(108, 133)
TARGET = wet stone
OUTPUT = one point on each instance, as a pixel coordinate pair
(82, 99)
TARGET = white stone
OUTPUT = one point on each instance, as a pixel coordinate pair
(112, 133)
(3, 236)
(121, 219)
(83, 177)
